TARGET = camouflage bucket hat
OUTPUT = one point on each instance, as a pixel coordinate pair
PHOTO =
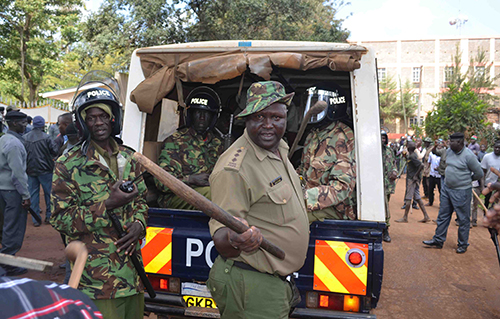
(262, 94)
(428, 140)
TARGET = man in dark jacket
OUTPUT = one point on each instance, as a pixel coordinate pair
(41, 151)
(14, 194)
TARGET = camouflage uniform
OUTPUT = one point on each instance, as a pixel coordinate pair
(185, 153)
(389, 162)
(79, 188)
(389, 166)
(328, 167)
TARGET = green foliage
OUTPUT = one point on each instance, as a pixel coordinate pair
(462, 107)
(74, 68)
(34, 35)
(120, 26)
(299, 20)
(418, 131)
(390, 99)
(458, 110)
(478, 76)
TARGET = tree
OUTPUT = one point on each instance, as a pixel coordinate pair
(463, 105)
(458, 110)
(478, 75)
(73, 68)
(304, 20)
(120, 26)
(390, 100)
(34, 35)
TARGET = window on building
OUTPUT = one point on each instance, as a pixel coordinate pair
(479, 71)
(448, 73)
(413, 120)
(415, 98)
(415, 75)
(382, 74)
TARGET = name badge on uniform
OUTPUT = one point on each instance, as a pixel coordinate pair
(276, 181)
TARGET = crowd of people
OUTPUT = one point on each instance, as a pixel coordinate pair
(27, 157)
(81, 165)
(455, 168)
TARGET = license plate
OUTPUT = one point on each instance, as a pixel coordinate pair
(193, 301)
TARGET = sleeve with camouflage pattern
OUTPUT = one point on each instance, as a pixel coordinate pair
(169, 160)
(73, 216)
(340, 154)
(69, 216)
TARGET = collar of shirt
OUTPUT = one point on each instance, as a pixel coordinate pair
(262, 153)
(103, 152)
(322, 132)
(458, 153)
(111, 159)
(199, 137)
(19, 136)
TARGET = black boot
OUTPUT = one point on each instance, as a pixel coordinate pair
(385, 236)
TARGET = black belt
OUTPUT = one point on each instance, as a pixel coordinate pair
(245, 266)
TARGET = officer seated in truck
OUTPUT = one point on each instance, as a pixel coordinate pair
(191, 152)
(328, 165)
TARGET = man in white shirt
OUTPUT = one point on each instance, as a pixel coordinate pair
(434, 176)
(491, 160)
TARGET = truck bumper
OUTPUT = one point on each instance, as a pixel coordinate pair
(307, 313)
(174, 306)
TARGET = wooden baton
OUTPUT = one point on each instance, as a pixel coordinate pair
(317, 108)
(77, 253)
(202, 203)
(480, 201)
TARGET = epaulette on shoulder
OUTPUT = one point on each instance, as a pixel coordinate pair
(235, 159)
(70, 153)
(128, 148)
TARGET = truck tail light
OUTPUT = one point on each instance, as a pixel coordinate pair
(355, 258)
(351, 303)
(329, 301)
(165, 284)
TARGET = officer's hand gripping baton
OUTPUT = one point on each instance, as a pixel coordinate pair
(200, 202)
(133, 257)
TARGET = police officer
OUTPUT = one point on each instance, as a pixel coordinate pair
(191, 152)
(390, 176)
(255, 182)
(85, 189)
(328, 163)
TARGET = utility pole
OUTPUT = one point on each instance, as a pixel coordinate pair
(420, 95)
(403, 104)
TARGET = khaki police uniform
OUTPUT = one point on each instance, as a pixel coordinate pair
(255, 184)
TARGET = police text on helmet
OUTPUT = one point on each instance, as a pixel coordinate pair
(97, 93)
(337, 100)
(197, 100)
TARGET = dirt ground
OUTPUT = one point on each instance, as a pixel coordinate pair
(418, 282)
(432, 283)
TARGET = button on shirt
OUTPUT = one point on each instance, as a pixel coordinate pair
(257, 185)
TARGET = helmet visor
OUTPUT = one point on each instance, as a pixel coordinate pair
(315, 95)
(98, 78)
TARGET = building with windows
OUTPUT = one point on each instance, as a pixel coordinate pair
(428, 65)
